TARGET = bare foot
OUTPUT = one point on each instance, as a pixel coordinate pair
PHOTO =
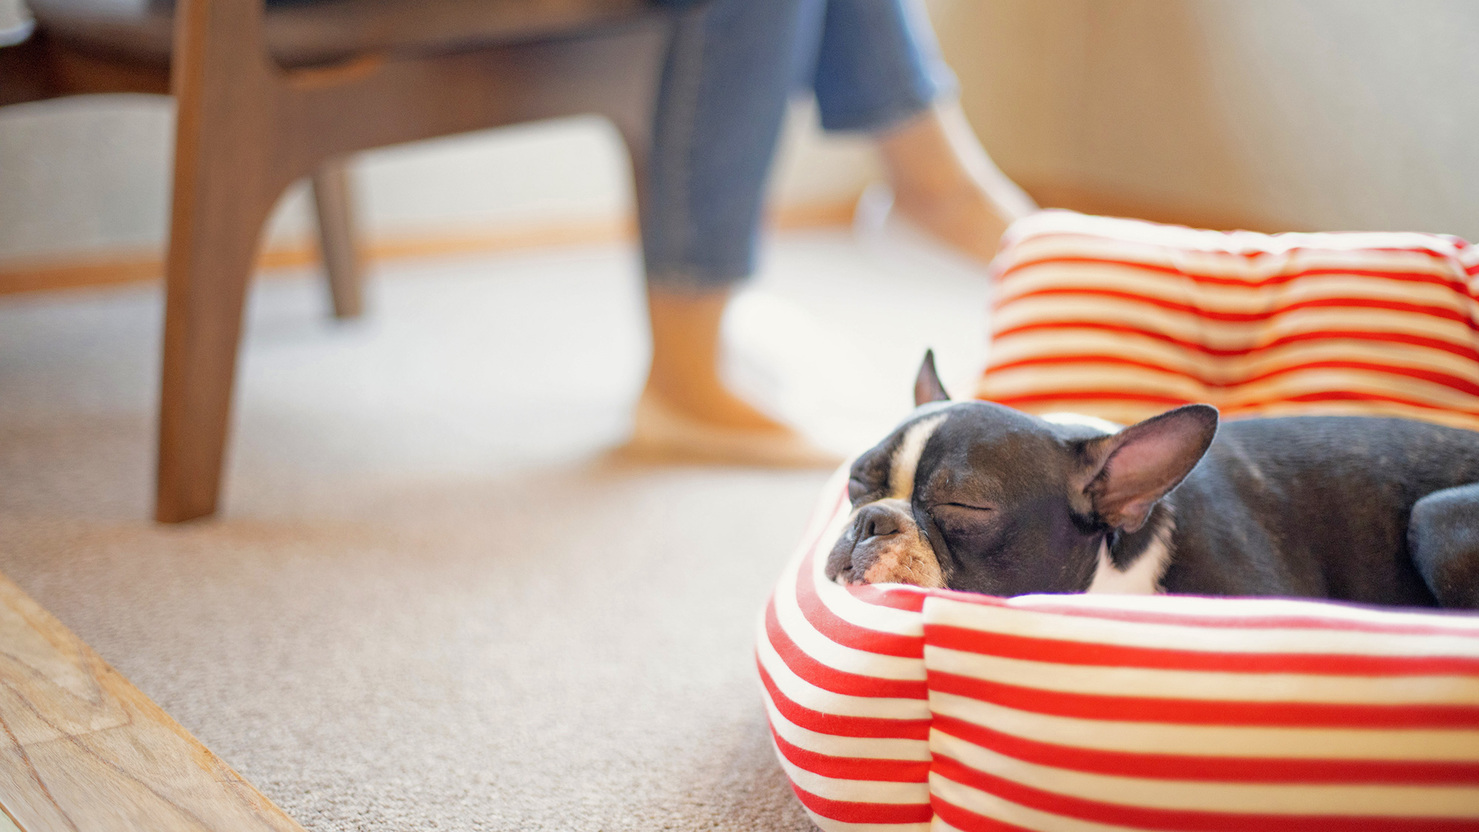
(686, 414)
(944, 182)
(684, 377)
(661, 433)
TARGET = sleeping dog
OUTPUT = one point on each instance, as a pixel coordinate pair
(979, 497)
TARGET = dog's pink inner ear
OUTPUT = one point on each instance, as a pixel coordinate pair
(1143, 462)
(927, 386)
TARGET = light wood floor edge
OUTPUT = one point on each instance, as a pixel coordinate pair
(143, 265)
(81, 748)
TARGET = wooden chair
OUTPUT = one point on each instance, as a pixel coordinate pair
(268, 95)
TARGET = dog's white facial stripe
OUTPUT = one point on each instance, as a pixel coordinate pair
(1144, 575)
(906, 458)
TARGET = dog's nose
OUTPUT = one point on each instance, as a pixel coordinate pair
(865, 537)
(877, 521)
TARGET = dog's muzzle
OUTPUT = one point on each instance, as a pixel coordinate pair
(881, 544)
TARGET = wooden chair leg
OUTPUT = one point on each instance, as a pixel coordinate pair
(212, 252)
(225, 184)
(246, 129)
(341, 258)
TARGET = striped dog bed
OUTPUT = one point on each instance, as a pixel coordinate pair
(895, 707)
(1124, 319)
(898, 708)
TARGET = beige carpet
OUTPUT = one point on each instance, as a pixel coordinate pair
(431, 603)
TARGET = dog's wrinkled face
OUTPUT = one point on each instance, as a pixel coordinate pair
(972, 496)
(979, 497)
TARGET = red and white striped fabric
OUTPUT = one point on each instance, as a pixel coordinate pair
(843, 672)
(898, 708)
(1123, 319)
(1112, 712)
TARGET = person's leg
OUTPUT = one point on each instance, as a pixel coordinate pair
(944, 181)
(730, 69)
(729, 72)
(880, 70)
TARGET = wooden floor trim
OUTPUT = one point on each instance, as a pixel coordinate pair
(144, 265)
(83, 749)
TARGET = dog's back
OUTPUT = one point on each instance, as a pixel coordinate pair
(1315, 506)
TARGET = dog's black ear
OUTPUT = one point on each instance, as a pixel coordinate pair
(927, 386)
(1126, 473)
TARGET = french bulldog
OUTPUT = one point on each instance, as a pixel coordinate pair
(976, 496)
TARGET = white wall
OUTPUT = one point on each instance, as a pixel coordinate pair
(93, 173)
(1290, 113)
(12, 14)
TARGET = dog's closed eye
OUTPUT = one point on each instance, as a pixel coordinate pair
(962, 507)
(961, 518)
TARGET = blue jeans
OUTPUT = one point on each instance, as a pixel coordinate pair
(731, 66)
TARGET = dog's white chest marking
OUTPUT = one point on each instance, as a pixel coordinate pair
(906, 458)
(1144, 575)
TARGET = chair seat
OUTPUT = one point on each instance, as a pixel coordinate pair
(309, 32)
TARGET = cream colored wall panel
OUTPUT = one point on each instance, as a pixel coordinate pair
(1310, 114)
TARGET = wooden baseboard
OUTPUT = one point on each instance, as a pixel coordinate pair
(126, 266)
(144, 265)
